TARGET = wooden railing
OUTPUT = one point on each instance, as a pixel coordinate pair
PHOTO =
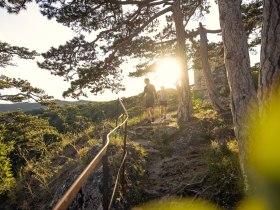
(102, 156)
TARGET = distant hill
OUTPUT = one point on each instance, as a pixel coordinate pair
(32, 106)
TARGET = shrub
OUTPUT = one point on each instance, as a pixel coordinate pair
(224, 170)
(6, 175)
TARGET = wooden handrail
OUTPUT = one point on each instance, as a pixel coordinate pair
(69, 196)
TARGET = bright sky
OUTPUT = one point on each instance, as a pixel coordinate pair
(30, 29)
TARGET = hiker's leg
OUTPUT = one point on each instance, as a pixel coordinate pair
(148, 112)
(165, 111)
(149, 106)
(152, 114)
(161, 111)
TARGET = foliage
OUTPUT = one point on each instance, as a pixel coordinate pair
(198, 94)
(224, 170)
(222, 159)
(7, 52)
(6, 175)
(78, 117)
(37, 155)
(215, 55)
(136, 166)
(31, 138)
(203, 110)
(135, 171)
(24, 88)
(215, 125)
(252, 20)
(14, 6)
(255, 74)
(95, 64)
(198, 104)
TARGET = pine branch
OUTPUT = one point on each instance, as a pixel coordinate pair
(121, 43)
(141, 3)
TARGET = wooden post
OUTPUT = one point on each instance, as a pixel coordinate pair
(105, 179)
(117, 115)
(124, 151)
(122, 126)
(140, 110)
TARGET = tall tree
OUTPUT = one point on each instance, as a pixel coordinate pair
(269, 80)
(95, 65)
(236, 55)
(213, 95)
(22, 89)
(184, 108)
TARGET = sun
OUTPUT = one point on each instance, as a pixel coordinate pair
(167, 72)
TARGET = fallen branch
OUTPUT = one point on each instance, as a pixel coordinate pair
(190, 187)
(199, 194)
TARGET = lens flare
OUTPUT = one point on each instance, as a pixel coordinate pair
(167, 72)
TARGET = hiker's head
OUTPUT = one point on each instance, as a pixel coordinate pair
(147, 81)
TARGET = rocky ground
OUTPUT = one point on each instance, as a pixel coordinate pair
(177, 160)
(175, 163)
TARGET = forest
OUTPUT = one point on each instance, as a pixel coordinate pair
(216, 149)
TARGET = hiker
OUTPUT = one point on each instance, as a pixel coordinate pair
(151, 96)
(163, 102)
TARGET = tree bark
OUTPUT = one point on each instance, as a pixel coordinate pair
(269, 80)
(185, 105)
(213, 95)
(243, 94)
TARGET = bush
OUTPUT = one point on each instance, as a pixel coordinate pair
(6, 175)
(224, 170)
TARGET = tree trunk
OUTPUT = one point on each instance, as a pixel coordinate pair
(213, 95)
(243, 94)
(269, 80)
(185, 105)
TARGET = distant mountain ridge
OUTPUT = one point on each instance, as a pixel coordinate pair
(32, 106)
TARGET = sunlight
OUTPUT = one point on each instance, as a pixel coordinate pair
(167, 73)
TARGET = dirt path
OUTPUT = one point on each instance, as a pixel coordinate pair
(175, 160)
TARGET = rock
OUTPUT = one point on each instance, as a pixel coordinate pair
(151, 193)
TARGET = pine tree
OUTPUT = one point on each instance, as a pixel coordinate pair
(270, 49)
(117, 26)
(25, 90)
(243, 93)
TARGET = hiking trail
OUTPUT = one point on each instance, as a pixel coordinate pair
(175, 164)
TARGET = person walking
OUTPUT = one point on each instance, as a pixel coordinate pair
(163, 102)
(150, 96)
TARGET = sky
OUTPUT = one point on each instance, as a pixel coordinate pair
(32, 30)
